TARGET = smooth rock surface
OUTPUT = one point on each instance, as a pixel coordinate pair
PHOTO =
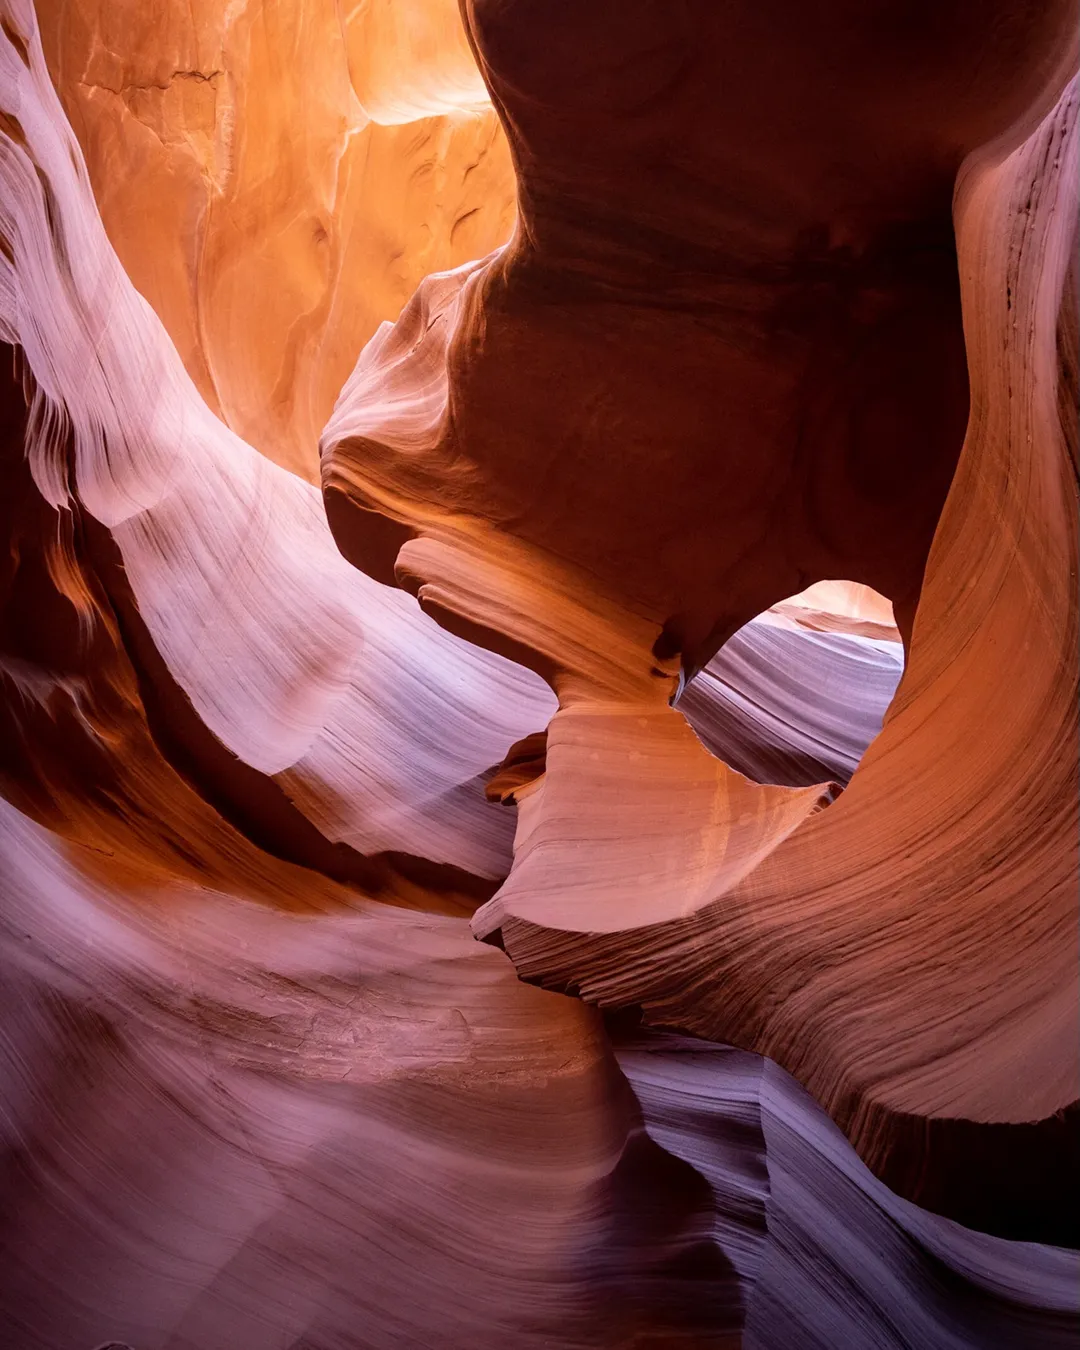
(736, 695)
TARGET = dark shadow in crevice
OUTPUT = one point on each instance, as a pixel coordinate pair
(42, 633)
(248, 799)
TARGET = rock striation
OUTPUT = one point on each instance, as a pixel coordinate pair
(655, 620)
(646, 874)
(277, 179)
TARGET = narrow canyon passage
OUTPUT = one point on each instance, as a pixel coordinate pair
(538, 675)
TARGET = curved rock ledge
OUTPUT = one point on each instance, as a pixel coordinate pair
(689, 348)
(735, 695)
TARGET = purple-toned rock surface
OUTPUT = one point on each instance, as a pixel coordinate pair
(733, 705)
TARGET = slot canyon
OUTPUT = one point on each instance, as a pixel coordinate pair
(539, 628)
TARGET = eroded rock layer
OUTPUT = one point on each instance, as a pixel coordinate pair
(771, 380)
(261, 1086)
(277, 179)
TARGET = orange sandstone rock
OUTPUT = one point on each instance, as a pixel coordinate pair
(277, 181)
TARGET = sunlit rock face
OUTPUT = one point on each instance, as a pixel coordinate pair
(681, 598)
(277, 178)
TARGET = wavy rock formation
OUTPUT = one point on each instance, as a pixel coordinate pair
(262, 1089)
(749, 706)
(785, 290)
(277, 179)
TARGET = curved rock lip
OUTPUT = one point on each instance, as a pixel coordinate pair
(583, 852)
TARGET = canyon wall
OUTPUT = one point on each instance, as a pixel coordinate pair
(675, 589)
